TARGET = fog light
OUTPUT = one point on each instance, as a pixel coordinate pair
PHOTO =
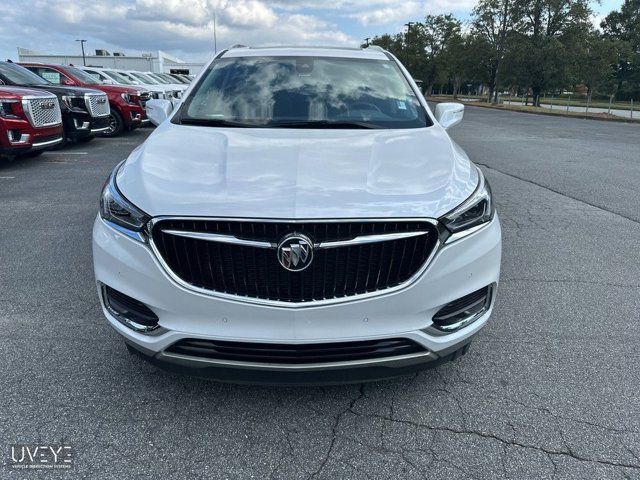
(16, 137)
(463, 311)
(129, 311)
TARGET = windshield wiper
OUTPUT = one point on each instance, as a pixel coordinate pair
(338, 124)
(346, 124)
(216, 122)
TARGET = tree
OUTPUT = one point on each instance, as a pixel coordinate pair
(493, 22)
(464, 55)
(548, 31)
(623, 26)
(436, 32)
(594, 63)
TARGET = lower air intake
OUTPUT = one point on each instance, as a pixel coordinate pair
(464, 310)
(295, 354)
(129, 309)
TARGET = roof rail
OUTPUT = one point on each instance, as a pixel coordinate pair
(237, 45)
(375, 47)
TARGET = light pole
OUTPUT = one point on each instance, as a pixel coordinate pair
(82, 46)
(215, 39)
(409, 25)
(366, 41)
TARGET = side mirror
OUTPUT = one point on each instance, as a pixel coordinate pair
(158, 110)
(449, 114)
(67, 81)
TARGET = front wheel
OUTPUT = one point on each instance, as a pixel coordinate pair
(116, 124)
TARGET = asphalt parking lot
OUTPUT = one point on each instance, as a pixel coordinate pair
(548, 390)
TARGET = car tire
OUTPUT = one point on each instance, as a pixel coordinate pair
(116, 124)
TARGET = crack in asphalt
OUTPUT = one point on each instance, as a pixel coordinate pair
(547, 451)
(334, 432)
(546, 187)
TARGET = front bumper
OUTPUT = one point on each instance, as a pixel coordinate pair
(29, 139)
(132, 115)
(77, 123)
(99, 125)
(457, 269)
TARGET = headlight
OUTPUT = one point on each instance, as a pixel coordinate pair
(6, 109)
(118, 210)
(126, 97)
(67, 101)
(474, 211)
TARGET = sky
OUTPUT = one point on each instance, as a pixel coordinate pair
(185, 27)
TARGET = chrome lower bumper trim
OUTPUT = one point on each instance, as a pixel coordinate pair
(100, 130)
(398, 362)
(48, 143)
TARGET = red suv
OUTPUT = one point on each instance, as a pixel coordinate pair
(127, 104)
(30, 121)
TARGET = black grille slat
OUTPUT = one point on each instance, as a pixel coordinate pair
(256, 273)
(295, 354)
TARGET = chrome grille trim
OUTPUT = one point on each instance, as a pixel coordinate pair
(214, 237)
(283, 304)
(96, 108)
(38, 116)
(359, 240)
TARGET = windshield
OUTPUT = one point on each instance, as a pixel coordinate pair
(177, 78)
(116, 77)
(132, 80)
(157, 77)
(304, 92)
(168, 78)
(142, 78)
(83, 76)
(16, 75)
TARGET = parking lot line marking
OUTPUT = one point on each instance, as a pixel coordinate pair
(7, 178)
(65, 153)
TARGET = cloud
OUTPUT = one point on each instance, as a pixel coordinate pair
(392, 13)
(185, 27)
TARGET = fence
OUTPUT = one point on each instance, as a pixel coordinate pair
(569, 103)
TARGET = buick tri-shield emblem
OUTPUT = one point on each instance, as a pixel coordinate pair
(295, 252)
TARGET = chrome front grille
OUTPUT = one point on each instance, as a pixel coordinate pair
(349, 258)
(97, 104)
(42, 111)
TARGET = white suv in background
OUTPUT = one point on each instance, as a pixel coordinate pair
(116, 77)
(301, 217)
(145, 78)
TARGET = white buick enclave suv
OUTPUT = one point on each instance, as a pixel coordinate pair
(301, 217)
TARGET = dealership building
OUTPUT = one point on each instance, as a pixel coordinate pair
(158, 61)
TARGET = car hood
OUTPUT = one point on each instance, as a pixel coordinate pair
(117, 89)
(63, 90)
(16, 93)
(297, 174)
